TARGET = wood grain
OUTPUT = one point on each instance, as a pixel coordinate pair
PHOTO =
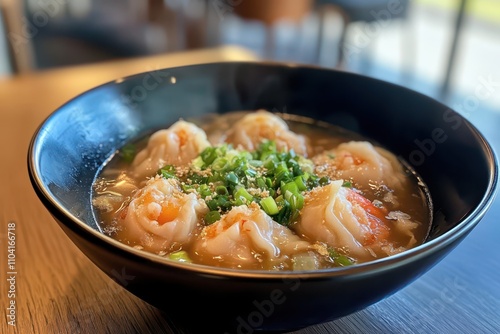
(58, 290)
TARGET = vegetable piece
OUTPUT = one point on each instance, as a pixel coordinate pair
(241, 192)
(208, 155)
(232, 179)
(128, 152)
(340, 259)
(299, 181)
(168, 172)
(221, 190)
(269, 206)
(180, 256)
(306, 261)
(212, 216)
(347, 184)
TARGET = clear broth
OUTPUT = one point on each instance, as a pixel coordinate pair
(115, 184)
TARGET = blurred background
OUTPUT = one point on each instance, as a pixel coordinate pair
(447, 49)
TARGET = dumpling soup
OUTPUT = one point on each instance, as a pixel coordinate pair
(261, 191)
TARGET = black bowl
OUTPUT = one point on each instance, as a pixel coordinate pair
(453, 158)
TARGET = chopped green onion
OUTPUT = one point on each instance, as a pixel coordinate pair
(284, 215)
(212, 204)
(168, 172)
(231, 178)
(204, 190)
(306, 165)
(250, 172)
(261, 183)
(347, 184)
(186, 188)
(221, 190)
(242, 192)
(255, 163)
(269, 206)
(269, 162)
(197, 163)
(216, 177)
(269, 182)
(323, 181)
(211, 217)
(222, 176)
(282, 175)
(128, 152)
(237, 164)
(340, 259)
(181, 256)
(223, 202)
(220, 164)
(291, 187)
(209, 155)
(299, 181)
(296, 200)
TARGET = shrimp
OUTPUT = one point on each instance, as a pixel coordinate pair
(342, 218)
(362, 163)
(160, 216)
(371, 216)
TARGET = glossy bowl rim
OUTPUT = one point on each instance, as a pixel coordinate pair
(462, 227)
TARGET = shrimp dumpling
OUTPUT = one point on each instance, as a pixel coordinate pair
(342, 218)
(262, 125)
(361, 163)
(246, 237)
(160, 217)
(177, 145)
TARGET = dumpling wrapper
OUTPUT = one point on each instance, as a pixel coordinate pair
(178, 145)
(254, 128)
(247, 238)
(362, 163)
(162, 218)
(337, 216)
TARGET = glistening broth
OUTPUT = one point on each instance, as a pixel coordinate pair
(406, 210)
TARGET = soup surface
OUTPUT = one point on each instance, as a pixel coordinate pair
(264, 191)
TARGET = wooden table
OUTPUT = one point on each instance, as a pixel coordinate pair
(58, 290)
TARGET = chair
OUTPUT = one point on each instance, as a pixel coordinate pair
(279, 30)
(368, 11)
(5, 57)
(48, 34)
(15, 38)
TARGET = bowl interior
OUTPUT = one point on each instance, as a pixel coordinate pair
(74, 142)
(450, 155)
